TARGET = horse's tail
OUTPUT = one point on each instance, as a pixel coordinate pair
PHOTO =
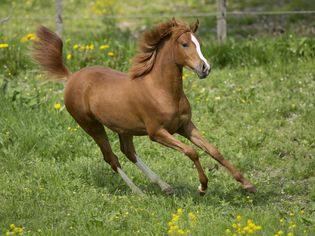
(47, 52)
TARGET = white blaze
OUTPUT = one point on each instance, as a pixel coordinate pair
(195, 41)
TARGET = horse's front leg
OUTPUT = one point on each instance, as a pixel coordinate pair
(162, 136)
(191, 133)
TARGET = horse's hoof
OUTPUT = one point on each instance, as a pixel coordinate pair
(250, 189)
(201, 192)
(168, 191)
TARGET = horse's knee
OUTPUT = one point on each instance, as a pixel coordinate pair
(112, 160)
(191, 153)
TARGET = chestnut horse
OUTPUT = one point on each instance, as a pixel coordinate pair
(148, 101)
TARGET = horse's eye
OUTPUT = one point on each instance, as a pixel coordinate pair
(185, 45)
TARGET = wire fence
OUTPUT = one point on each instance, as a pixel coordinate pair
(266, 19)
(168, 15)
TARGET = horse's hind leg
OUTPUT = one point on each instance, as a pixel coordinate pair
(127, 147)
(97, 132)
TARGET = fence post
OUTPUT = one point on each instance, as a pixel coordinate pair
(221, 22)
(58, 17)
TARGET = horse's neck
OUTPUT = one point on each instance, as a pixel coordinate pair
(166, 75)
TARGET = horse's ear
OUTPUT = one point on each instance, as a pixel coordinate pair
(194, 27)
(174, 22)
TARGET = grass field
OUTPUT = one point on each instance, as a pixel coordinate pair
(257, 107)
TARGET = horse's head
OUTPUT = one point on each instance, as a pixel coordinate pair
(187, 51)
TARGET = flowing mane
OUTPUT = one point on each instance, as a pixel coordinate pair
(149, 43)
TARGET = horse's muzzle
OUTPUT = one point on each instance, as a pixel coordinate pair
(203, 70)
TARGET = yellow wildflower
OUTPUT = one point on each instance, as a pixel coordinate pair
(238, 217)
(192, 216)
(227, 231)
(69, 56)
(57, 106)
(104, 46)
(290, 234)
(291, 214)
(110, 54)
(292, 226)
(301, 212)
(12, 226)
(76, 46)
(28, 37)
(246, 228)
(180, 232)
(234, 226)
(18, 230)
(91, 46)
(4, 45)
(280, 232)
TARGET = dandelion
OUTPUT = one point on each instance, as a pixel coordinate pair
(69, 56)
(192, 217)
(110, 54)
(292, 226)
(104, 46)
(185, 76)
(14, 230)
(57, 106)
(4, 45)
(28, 37)
(176, 222)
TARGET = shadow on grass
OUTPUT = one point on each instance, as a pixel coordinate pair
(99, 174)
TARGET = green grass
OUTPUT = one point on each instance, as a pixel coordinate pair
(257, 107)
(54, 182)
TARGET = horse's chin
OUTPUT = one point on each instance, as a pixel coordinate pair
(202, 75)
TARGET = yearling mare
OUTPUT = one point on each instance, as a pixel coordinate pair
(149, 101)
